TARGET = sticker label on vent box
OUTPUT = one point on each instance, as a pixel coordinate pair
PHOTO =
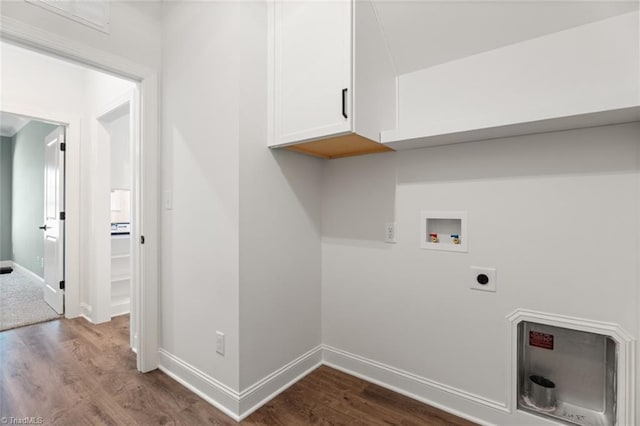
(541, 340)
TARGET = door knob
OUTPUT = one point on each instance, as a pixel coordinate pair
(43, 227)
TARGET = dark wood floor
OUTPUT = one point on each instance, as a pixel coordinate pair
(70, 372)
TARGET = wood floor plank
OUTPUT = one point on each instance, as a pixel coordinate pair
(71, 372)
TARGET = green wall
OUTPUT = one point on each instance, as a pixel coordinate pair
(6, 157)
(28, 195)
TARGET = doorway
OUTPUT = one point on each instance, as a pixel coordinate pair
(116, 130)
(31, 221)
(89, 104)
(145, 300)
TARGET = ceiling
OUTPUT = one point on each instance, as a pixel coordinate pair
(11, 124)
(424, 33)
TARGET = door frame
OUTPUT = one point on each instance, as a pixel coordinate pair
(146, 304)
(129, 100)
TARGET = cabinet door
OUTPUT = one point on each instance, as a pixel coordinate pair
(312, 61)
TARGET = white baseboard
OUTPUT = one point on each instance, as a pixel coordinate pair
(258, 394)
(239, 405)
(214, 392)
(468, 406)
(28, 272)
(86, 308)
(6, 263)
(87, 318)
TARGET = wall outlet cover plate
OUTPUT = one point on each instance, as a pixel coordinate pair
(390, 232)
(483, 278)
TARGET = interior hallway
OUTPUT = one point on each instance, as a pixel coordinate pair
(73, 372)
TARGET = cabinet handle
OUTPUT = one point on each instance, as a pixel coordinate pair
(344, 103)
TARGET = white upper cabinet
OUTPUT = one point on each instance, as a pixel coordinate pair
(350, 77)
(312, 69)
(323, 64)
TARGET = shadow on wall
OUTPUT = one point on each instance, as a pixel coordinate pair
(303, 175)
(358, 196)
(359, 193)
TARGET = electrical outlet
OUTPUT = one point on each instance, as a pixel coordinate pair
(483, 279)
(168, 200)
(390, 232)
(220, 342)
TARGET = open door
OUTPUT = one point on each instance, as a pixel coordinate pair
(53, 219)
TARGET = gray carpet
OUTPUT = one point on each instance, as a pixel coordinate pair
(22, 301)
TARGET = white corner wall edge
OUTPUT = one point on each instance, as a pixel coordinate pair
(239, 405)
(85, 312)
(258, 394)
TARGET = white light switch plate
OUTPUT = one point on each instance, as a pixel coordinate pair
(168, 200)
(220, 342)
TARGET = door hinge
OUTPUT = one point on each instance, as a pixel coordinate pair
(63, 146)
(141, 239)
(61, 285)
(63, 216)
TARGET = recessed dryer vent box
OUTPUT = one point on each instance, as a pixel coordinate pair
(442, 230)
(567, 375)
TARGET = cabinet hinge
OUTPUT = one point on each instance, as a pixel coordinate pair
(63, 216)
(61, 285)
(63, 146)
(141, 239)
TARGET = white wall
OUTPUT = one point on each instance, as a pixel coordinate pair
(589, 68)
(200, 254)
(134, 28)
(119, 130)
(280, 227)
(24, 82)
(242, 242)
(555, 213)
